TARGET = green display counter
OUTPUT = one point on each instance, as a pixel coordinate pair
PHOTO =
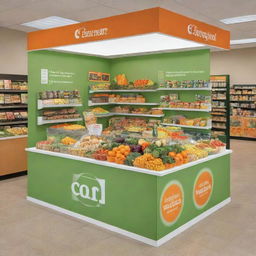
(148, 206)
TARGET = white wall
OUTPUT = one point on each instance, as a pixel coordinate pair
(240, 64)
(13, 54)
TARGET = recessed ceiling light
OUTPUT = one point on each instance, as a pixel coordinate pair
(49, 22)
(243, 41)
(239, 19)
(132, 45)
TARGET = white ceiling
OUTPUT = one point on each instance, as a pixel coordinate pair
(15, 12)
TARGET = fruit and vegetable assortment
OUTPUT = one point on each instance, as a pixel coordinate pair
(100, 86)
(164, 151)
(118, 154)
(13, 131)
(123, 124)
(172, 101)
(142, 83)
(136, 110)
(99, 111)
(121, 82)
(68, 141)
(182, 120)
(116, 98)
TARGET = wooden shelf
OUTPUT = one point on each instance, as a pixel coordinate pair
(14, 106)
(13, 154)
(12, 91)
(13, 122)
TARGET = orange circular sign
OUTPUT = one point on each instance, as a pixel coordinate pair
(171, 202)
(203, 188)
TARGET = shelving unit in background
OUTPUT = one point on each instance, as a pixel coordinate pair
(12, 148)
(243, 111)
(220, 106)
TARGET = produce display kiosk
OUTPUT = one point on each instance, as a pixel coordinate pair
(12, 148)
(150, 206)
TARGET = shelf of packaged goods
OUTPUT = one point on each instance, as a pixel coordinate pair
(154, 90)
(243, 116)
(41, 121)
(13, 137)
(219, 89)
(219, 121)
(186, 109)
(243, 94)
(188, 126)
(248, 108)
(40, 105)
(135, 114)
(13, 122)
(219, 107)
(130, 168)
(244, 88)
(219, 128)
(90, 104)
(131, 90)
(128, 114)
(13, 106)
(218, 114)
(242, 100)
(243, 138)
(185, 89)
(12, 91)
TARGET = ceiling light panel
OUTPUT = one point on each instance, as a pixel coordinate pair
(239, 19)
(49, 22)
(243, 41)
(133, 45)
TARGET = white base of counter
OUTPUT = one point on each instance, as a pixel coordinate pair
(126, 167)
(145, 240)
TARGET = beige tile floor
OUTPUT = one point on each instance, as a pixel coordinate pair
(30, 230)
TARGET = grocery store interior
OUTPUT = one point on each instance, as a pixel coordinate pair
(127, 127)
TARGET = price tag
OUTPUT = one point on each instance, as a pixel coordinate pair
(95, 129)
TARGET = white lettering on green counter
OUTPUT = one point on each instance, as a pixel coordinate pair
(88, 190)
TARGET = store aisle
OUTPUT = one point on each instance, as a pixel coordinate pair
(30, 230)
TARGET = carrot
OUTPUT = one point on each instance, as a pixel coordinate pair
(172, 154)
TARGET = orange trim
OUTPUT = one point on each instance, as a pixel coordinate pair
(183, 27)
(130, 24)
(123, 25)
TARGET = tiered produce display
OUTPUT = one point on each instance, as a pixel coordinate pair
(169, 147)
(125, 163)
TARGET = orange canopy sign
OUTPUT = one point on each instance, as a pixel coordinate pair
(131, 24)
